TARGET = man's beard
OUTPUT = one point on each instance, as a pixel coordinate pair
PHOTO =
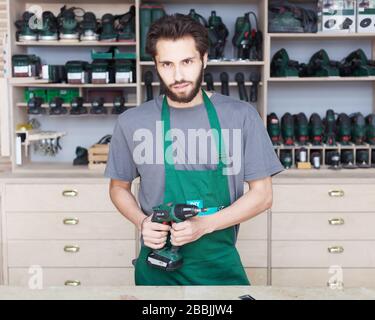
(182, 99)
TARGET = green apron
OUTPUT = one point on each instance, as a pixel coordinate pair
(213, 259)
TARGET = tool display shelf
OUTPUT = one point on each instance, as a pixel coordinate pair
(323, 148)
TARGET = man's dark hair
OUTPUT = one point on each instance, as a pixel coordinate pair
(177, 26)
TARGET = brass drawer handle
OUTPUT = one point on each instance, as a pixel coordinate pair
(70, 193)
(71, 221)
(336, 193)
(72, 283)
(72, 249)
(336, 249)
(336, 221)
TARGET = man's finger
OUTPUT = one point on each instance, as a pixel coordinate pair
(160, 227)
(179, 226)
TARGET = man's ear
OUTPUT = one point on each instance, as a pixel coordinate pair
(205, 59)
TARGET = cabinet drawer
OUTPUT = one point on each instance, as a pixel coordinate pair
(71, 253)
(70, 276)
(315, 254)
(57, 226)
(323, 197)
(254, 229)
(253, 253)
(324, 277)
(257, 276)
(58, 197)
(323, 226)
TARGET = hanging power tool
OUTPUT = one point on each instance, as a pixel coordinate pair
(358, 134)
(56, 107)
(255, 79)
(343, 126)
(370, 129)
(224, 78)
(208, 78)
(169, 258)
(89, 27)
(286, 158)
(320, 66)
(240, 79)
(125, 25)
(373, 158)
(218, 34)
(316, 129)
(149, 78)
(49, 31)
(68, 23)
(246, 39)
(347, 159)
(82, 157)
(119, 105)
(316, 159)
(34, 106)
(282, 66)
(356, 64)
(333, 160)
(329, 123)
(77, 106)
(97, 106)
(287, 129)
(273, 128)
(301, 126)
(27, 27)
(362, 159)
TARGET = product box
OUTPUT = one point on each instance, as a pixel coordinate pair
(365, 16)
(339, 16)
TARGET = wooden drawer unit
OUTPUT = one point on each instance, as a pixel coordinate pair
(323, 198)
(323, 226)
(253, 253)
(254, 229)
(71, 253)
(58, 197)
(323, 254)
(332, 278)
(72, 276)
(55, 226)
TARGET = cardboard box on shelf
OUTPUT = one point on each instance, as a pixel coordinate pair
(339, 16)
(365, 16)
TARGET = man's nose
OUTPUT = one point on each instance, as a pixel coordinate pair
(178, 76)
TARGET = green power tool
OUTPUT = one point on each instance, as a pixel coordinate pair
(125, 26)
(343, 129)
(370, 129)
(287, 129)
(358, 128)
(68, 23)
(329, 123)
(273, 128)
(49, 30)
(316, 129)
(356, 64)
(282, 66)
(301, 126)
(27, 27)
(320, 66)
(218, 34)
(168, 258)
(89, 27)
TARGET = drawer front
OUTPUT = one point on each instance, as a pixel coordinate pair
(33, 277)
(257, 276)
(315, 254)
(55, 226)
(334, 277)
(323, 226)
(71, 253)
(254, 229)
(323, 197)
(253, 253)
(58, 197)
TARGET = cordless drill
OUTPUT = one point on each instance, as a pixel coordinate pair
(168, 258)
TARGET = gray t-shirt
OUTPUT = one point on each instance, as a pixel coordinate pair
(249, 146)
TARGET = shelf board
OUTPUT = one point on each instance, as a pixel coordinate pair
(320, 79)
(67, 105)
(37, 84)
(74, 44)
(55, 168)
(231, 84)
(321, 35)
(218, 63)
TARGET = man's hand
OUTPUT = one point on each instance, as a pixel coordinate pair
(154, 234)
(189, 230)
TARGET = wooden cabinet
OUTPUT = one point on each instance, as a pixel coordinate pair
(70, 230)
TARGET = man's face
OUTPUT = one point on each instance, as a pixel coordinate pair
(180, 68)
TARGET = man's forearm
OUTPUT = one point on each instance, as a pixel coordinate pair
(126, 203)
(246, 207)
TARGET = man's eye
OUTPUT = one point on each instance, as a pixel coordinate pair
(188, 61)
(166, 64)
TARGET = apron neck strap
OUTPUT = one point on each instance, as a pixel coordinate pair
(214, 124)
